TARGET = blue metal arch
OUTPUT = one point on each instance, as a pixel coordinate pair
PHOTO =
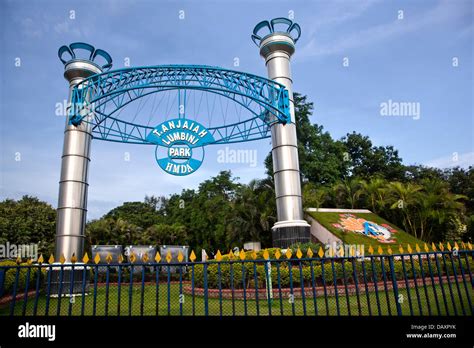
(113, 90)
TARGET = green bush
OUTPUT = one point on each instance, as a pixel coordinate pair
(11, 274)
(333, 270)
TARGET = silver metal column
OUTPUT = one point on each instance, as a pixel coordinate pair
(277, 48)
(73, 185)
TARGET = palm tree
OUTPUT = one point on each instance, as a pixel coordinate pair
(375, 192)
(437, 204)
(254, 212)
(313, 196)
(405, 197)
(348, 192)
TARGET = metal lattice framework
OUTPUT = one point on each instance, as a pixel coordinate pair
(98, 100)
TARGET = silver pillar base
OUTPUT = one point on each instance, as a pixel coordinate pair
(61, 283)
(287, 233)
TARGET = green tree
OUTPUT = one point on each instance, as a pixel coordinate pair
(367, 160)
(254, 214)
(111, 231)
(374, 192)
(141, 214)
(164, 234)
(347, 192)
(321, 158)
(28, 221)
(404, 199)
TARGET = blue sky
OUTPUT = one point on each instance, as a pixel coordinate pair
(403, 60)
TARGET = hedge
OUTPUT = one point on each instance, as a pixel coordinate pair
(10, 276)
(342, 270)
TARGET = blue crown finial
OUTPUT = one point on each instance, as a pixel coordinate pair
(271, 26)
(93, 53)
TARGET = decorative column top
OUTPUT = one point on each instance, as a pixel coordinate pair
(84, 60)
(76, 47)
(276, 34)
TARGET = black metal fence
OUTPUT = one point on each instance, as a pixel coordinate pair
(423, 283)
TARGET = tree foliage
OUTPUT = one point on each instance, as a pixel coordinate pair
(28, 221)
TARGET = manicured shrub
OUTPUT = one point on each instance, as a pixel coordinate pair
(11, 275)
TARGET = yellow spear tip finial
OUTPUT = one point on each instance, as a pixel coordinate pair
(51, 259)
(192, 257)
(41, 259)
(218, 255)
(341, 252)
(158, 256)
(266, 255)
(320, 252)
(309, 252)
(97, 258)
(299, 254)
(108, 258)
(277, 254)
(85, 259)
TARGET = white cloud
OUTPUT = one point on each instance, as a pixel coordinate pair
(67, 27)
(31, 29)
(454, 160)
(444, 11)
(338, 12)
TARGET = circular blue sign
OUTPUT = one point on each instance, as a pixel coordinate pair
(180, 145)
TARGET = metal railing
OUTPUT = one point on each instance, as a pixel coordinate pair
(433, 282)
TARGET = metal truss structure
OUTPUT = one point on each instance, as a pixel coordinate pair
(98, 99)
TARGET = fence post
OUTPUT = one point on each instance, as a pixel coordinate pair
(268, 278)
(206, 304)
(395, 285)
(2, 280)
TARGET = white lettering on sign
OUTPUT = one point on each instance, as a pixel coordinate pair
(179, 169)
(180, 152)
(174, 125)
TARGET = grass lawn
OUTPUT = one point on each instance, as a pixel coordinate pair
(325, 306)
(328, 218)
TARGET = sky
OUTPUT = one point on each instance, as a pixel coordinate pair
(357, 60)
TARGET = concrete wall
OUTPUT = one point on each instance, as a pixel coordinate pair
(321, 233)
